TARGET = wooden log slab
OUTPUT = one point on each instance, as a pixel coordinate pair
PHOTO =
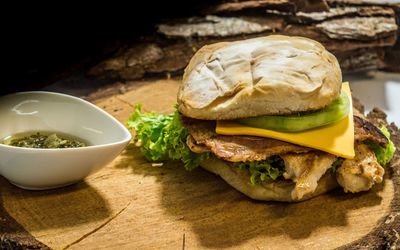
(286, 5)
(369, 11)
(131, 205)
(214, 26)
(362, 28)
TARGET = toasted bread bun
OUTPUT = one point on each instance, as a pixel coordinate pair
(260, 76)
(272, 191)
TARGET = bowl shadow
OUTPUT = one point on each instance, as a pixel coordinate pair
(58, 208)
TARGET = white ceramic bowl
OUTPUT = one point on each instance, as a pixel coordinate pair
(46, 111)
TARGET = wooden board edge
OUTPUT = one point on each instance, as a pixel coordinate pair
(386, 234)
(13, 235)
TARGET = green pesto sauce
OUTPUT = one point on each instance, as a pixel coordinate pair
(43, 140)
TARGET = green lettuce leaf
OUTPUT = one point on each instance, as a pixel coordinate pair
(383, 155)
(162, 138)
(261, 171)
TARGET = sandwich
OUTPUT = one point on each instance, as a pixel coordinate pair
(271, 117)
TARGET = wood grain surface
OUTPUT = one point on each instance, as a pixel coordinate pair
(131, 205)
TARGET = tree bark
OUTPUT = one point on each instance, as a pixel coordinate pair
(362, 34)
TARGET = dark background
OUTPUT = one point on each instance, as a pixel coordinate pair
(46, 42)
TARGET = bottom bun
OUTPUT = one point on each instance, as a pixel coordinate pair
(279, 190)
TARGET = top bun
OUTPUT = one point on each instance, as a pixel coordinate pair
(261, 76)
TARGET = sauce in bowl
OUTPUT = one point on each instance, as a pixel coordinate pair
(35, 139)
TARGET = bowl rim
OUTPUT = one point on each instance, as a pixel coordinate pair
(127, 134)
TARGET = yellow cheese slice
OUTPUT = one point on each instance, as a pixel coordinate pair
(337, 139)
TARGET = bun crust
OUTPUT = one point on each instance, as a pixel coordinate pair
(273, 191)
(261, 76)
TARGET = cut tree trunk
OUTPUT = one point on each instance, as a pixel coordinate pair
(132, 205)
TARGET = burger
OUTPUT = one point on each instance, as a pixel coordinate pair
(271, 117)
